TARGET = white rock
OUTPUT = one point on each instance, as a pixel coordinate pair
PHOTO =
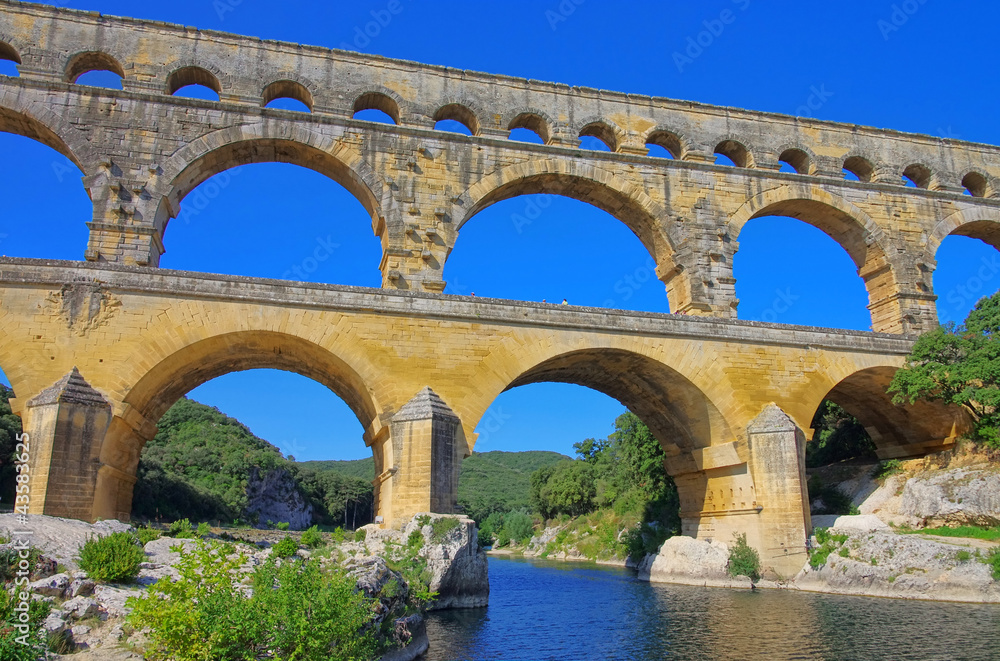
(158, 551)
(81, 607)
(80, 630)
(60, 539)
(112, 599)
(685, 559)
(55, 622)
(53, 586)
(859, 522)
(81, 587)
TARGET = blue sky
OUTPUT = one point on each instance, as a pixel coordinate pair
(919, 65)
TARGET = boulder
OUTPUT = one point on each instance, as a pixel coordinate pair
(858, 522)
(459, 567)
(377, 581)
(687, 560)
(961, 496)
(53, 586)
(81, 587)
(55, 623)
(81, 607)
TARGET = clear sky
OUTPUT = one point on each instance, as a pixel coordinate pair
(917, 65)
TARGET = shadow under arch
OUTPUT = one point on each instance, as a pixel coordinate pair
(677, 411)
(851, 228)
(44, 126)
(976, 223)
(227, 148)
(897, 430)
(586, 183)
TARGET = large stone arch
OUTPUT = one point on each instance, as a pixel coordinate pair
(270, 141)
(583, 181)
(27, 118)
(181, 370)
(898, 430)
(867, 244)
(975, 222)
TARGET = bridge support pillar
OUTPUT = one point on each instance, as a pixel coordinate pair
(66, 424)
(423, 455)
(777, 465)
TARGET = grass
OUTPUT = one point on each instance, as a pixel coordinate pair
(973, 532)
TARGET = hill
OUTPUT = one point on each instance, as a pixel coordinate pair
(500, 481)
(363, 469)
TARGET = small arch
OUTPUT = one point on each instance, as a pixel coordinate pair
(377, 101)
(9, 59)
(917, 174)
(860, 167)
(531, 121)
(88, 61)
(193, 75)
(669, 141)
(976, 184)
(456, 112)
(287, 89)
(603, 132)
(797, 159)
(736, 152)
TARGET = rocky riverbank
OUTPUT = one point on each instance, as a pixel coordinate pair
(881, 551)
(91, 617)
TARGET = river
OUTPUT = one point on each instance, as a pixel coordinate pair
(555, 610)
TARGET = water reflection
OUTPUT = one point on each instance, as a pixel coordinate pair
(547, 610)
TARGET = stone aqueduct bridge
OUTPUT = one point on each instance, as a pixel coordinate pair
(140, 337)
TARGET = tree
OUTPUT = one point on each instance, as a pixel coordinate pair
(10, 427)
(959, 366)
(838, 436)
(568, 490)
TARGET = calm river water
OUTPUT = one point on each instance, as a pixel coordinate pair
(552, 610)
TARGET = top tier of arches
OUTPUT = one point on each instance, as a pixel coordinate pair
(158, 58)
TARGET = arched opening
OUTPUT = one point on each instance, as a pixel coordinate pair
(376, 107)
(199, 457)
(858, 168)
(456, 118)
(194, 83)
(968, 268)
(665, 144)
(731, 152)
(917, 176)
(800, 265)
(287, 95)
(529, 127)
(598, 136)
(95, 69)
(976, 185)
(9, 59)
(672, 412)
(37, 166)
(276, 220)
(565, 264)
(797, 160)
(896, 430)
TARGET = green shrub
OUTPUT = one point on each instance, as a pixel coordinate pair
(112, 559)
(10, 561)
(441, 527)
(285, 548)
(828, 543)
(993, 560)
(887, 467)
(645, 539)
(976, 532)
(743, 560)
(296, 611)
(312, 537)
(282, 525)
(963, 556)
(11, 648)
(145, 534)
(423, 520)
(338, 535)
(519, 526)
(360, 535)
(180, 529)
(204, 530)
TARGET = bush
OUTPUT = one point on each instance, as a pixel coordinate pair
(441, 527)
(285, 548)
(360, 535)
(519, 526)
(993, 560)
(10, 647)
(112, 559)
(828, 543)
(743, 560)
(180, 529)
(296, 611)
(312, 537)
(204, 530)
(10, 561)
(282, 525)
(886, 468)
(145, 534)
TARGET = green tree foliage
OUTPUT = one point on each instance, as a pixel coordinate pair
(296, 611)
(565, 488)
(16, 645)
(499, 481)
(838, 436)
(338, 497)
(10, 427)
(959, 366)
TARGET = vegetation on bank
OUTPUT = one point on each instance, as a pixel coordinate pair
(959, 366)
(10, 427)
